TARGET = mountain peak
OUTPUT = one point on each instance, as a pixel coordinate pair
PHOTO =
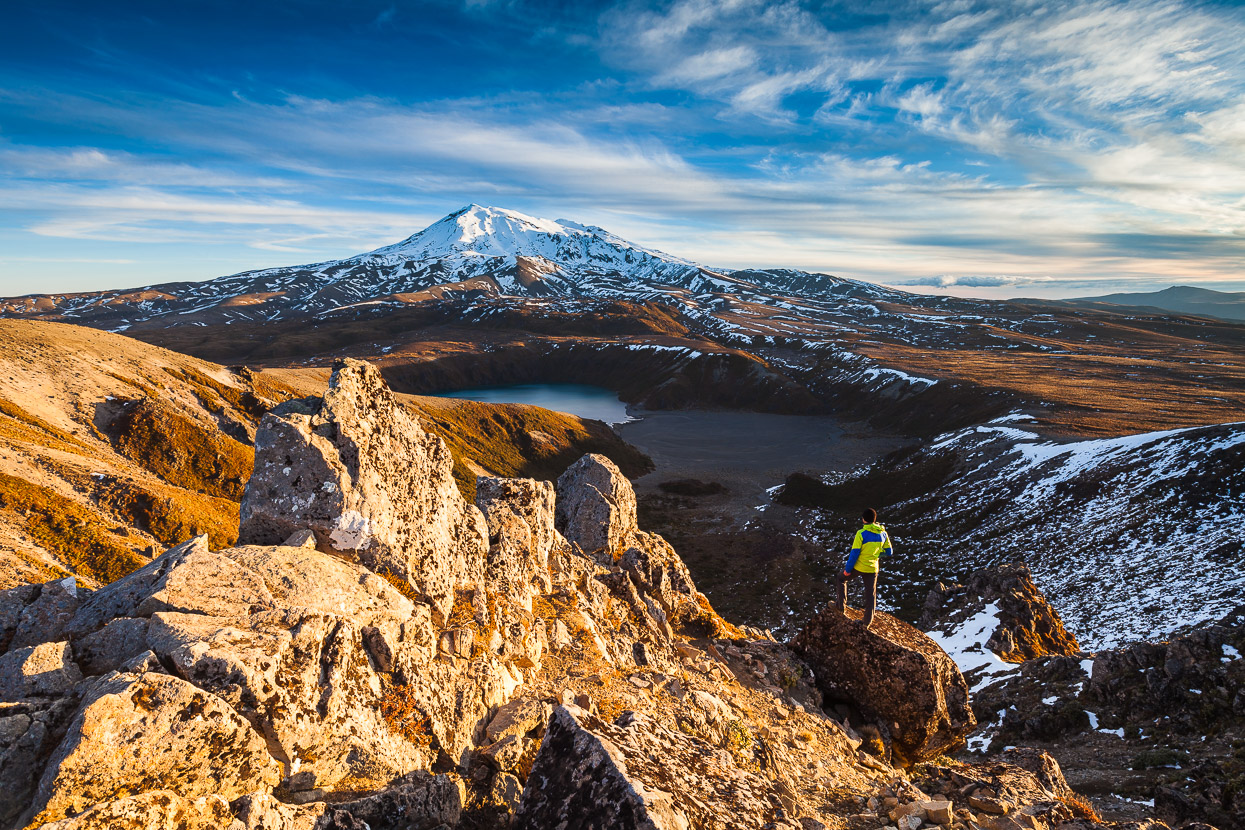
(485, 230)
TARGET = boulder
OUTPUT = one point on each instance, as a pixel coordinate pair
(520, 518)
(44, 670)
(44, 619)
(363, 475)
(517, 718)
(417, 801)
(893, 673)
(122, 598)
(596, 507)
(112, 646)
(13, 602)
(29, 732)
(135, 734)
(156, 810)
(588, 773)
(1027, 625)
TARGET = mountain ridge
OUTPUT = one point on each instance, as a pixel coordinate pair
(476, 250)
(1178, 299)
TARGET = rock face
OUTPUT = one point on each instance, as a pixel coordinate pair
(1028, 626)
(893, 673)
(364, 476)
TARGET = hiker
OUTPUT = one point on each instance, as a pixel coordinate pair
(870, 543)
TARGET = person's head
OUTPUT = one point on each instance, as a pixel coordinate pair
(869, 516)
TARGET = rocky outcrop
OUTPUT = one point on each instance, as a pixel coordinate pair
(315, 678)
(895, 675)
(1027, 626)
(596, 506)
(365, 477)
(112, 750)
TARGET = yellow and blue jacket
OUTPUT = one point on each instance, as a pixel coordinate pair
(871, 542)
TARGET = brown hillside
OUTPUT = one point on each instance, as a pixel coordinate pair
(112, 449)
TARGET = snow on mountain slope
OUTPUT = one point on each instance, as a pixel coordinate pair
(1131, 538)
(475, 251)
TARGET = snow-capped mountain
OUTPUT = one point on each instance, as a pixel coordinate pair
(477, 249)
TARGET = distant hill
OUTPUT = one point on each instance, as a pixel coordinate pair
(1182, 299)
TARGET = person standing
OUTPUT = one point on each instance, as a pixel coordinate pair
(871, 543)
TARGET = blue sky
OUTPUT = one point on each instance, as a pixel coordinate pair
(982, 148)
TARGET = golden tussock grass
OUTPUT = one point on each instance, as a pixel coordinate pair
(182, 452)
(69, 530)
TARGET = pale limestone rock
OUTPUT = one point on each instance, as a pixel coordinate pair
(110, 750)
(38, 671)
(596, 506)
(365, 477)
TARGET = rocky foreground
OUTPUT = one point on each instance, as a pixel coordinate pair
(377, 652)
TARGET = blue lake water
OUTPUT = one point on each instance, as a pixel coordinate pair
(577, 399)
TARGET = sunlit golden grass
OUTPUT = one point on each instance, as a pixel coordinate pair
(181, 451)
(67, 529)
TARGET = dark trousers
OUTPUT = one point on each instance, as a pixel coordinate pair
(870, 599)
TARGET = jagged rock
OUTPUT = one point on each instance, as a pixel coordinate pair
(596, 507)
(891, 672)
(44, 619)
(1028, 626)
(155, 810)
(1041, 765)
(13, 602)
(592, 774)
(518, 717)
(111, 647)
(29, 731)
(122, 598)
(417, 801)
(261, 811)
(532, 501)
(152, 732)
(37, 671)
(363, 475)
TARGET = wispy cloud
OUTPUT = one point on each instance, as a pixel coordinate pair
(1005, 144)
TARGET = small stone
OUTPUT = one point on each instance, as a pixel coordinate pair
(560, 636)
(506, 791)
(639, 652)
(505, 754)
(903, 811)
(301, 781)
(938, 812)
(987, 804)
(306, 796)
(300, 539)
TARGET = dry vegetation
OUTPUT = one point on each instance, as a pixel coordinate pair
(110, 448)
